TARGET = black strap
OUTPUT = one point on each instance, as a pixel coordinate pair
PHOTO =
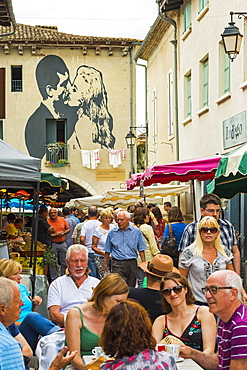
(170, 230)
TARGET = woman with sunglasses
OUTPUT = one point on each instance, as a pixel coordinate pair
(194, 325)
(206, 255)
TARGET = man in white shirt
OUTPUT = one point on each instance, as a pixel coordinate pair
(73, 288)
(87, 233)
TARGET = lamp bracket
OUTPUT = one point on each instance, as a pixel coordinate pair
(239, 14)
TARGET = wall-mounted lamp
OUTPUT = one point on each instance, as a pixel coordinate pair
(232, 37)
(130, 139)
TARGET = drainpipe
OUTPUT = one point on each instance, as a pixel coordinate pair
(132, 168)
(146, 111)
(174, 43)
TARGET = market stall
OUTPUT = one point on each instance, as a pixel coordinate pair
(19, 171)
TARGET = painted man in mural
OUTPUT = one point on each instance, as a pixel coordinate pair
(90, 99)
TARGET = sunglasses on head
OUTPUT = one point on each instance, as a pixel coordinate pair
(213, 230)
(177, 289)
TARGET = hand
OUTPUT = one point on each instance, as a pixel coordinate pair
(60, 360)
(37, 300)
(105, 268)
(185, 351)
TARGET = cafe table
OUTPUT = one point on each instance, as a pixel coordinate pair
(187, 364)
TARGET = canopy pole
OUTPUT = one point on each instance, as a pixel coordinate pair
(35, 236)
(194, 197)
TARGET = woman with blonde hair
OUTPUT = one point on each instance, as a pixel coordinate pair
(85, 322)
(194, 325)
(31, 324)
(127, 336)
(99, 239)
(206, 255)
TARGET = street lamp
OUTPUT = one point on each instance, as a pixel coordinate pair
(232, 37)
(130, 139)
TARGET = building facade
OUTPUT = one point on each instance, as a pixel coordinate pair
(67, 101)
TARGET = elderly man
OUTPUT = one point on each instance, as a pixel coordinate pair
(59, 245)
(210, 205)
(10, 350)
(223, 294)
(73, 288)
(123, 243)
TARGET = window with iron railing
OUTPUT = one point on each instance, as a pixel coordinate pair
(56, 152)
(16, 79)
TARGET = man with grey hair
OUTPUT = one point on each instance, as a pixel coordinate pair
(73, 288)
(223, 294)
(123, 243)
(10, 350)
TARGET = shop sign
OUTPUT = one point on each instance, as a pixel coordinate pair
(234, 130)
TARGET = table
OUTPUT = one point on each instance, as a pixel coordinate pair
(187, 364)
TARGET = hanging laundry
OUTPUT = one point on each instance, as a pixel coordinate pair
(86, 158)
(116, 156)
(95, 158)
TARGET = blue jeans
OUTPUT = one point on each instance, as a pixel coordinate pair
(35, 325)
(92, 266)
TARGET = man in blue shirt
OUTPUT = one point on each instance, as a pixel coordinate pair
(10, 350)
(123, 243)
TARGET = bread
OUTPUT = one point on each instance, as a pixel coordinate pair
(95, 364)
(170, 339)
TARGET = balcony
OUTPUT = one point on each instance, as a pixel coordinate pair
(56, 154)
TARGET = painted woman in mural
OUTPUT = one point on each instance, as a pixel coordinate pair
(57, 91)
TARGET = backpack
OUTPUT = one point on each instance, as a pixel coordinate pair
(169, 245)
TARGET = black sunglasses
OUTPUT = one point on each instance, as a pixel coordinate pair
(205, 230)
(177, 289)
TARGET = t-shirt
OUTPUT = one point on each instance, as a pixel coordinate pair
(232, 338)
(102, 235)
(43, 236)
(150, 299)
(11, 230)
(63, 292)
(27, 307)
(59, 225)
(88, 230)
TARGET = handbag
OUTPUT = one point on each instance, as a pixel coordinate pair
(169, 245)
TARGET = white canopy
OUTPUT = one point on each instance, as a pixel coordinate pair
(153, 194)
(17, 167)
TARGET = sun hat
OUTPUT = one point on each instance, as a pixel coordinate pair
(159, 265)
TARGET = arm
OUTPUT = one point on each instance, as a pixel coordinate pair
(205, 360)
(106, 257)
(82, 239)
(236, 259)
(56, 316)
(183, 272)
(95, 241)
(158, 328)
(240, 364)
(51, 230)
(142, 255)
(72, 333)
(26, 349)
(209, 330)
(62, 359)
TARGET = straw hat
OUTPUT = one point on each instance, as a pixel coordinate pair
(159, 265)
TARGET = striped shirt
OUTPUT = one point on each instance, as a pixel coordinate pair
(232, 338)
(10, 351)
(227, 234)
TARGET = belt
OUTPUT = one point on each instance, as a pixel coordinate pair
(58, 242)
(130, 259)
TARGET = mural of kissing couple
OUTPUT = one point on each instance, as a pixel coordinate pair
(68, 100)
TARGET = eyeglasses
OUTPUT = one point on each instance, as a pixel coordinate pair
(205, 230)
(177, 289)
(214, 289)
(212, 210)
(53, 213)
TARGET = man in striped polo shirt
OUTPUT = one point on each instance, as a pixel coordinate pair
(224, 297)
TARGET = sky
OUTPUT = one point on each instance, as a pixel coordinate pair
(105, 18)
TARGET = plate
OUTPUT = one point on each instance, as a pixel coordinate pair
(180, 359)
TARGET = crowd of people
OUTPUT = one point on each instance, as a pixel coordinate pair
(116, 289)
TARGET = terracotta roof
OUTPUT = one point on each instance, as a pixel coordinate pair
(6, 13)
(49, 35)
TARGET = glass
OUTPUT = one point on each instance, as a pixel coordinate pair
(214, 289)
(212, 210)
(213, 230)
(177, 289)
